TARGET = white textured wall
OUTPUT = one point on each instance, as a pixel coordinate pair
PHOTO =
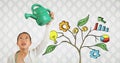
(12, 22)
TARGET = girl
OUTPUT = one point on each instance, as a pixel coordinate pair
(24, 55)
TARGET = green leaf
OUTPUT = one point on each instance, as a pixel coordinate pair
(102, 45)
(83, 21)
(49, 49)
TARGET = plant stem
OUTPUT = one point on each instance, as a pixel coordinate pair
(74, 45)
(73, 36)
(84, 39)
(79, 52)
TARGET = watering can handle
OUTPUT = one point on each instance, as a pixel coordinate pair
(48, 10)
(35, 5)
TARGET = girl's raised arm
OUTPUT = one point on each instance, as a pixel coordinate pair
(39, 49)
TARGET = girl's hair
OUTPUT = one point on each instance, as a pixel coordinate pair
(24, 33)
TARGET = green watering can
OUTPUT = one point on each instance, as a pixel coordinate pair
(40, 14)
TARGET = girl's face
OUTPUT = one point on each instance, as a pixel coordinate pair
(24, 41)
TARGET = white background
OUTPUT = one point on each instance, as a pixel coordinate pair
(12, 22)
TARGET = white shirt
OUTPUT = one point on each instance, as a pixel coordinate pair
(32, 56)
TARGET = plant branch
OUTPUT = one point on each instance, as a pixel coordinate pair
(60, 36)
(71, 33)
(81, 33)
(79, 52)
(88, 47)
(64, 36)
(85, 38)
(94, 36)
(67, 38)
(75, 39)
(62, 42)
(73, 36)
(61, 33)
(70, 44)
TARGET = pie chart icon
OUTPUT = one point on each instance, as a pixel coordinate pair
(105, 38)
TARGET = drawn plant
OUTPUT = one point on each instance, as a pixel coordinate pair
(85, 32)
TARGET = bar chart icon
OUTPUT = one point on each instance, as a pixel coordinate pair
(100, 27)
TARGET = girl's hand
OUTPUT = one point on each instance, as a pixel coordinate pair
(52, 16)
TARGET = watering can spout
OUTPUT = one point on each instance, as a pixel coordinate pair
(30, 15)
